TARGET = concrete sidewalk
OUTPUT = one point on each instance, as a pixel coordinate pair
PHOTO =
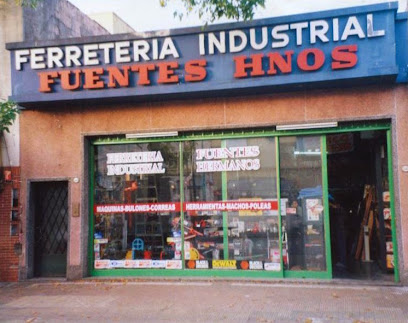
(199, 301)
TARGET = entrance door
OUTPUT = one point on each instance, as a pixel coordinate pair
(50, 205)
(360, 209)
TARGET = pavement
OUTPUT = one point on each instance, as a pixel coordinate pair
(181, 300)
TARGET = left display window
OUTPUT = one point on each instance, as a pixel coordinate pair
(136, 216)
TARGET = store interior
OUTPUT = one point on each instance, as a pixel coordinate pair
(360, 217)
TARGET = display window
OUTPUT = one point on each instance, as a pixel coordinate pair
(301, 184)
(269, 205)
(242, 231)
(137, 206)
(227, 217)
(253, 236)
(203, 187)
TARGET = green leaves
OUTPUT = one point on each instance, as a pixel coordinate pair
(25, 3)
(8, 113)
(211, 10)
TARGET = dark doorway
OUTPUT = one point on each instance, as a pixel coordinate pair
(50, 206)
(360, 218)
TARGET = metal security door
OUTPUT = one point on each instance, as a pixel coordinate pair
(50, 202)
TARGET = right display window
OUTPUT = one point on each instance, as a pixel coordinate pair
(303, 244)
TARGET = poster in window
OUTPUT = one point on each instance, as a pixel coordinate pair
(314, 209)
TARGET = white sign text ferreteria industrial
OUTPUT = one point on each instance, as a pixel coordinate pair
(146, 162)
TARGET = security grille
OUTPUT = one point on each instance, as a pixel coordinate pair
(51, 218)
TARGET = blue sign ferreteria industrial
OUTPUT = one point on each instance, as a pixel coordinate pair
(329, 47)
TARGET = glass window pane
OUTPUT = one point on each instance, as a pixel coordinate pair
(13, 229)
(241, 230)
(136, 194)
(14, 215)
(301, 185)
(15, 197)
(253, 234)
(203, 227)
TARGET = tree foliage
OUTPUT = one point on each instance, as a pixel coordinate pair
(8, 109)
(8, 113)
(211, 10)
(27, 3)
(24, 3)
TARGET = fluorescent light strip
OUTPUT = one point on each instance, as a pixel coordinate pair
(308, 126)
(307, 153)
(151, 134)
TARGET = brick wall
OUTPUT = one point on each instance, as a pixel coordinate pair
(8, 257)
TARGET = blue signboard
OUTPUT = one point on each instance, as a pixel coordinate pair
(326, 48)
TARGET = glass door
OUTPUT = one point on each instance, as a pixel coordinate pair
(304, 240)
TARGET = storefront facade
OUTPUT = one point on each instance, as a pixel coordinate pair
(259, 150)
